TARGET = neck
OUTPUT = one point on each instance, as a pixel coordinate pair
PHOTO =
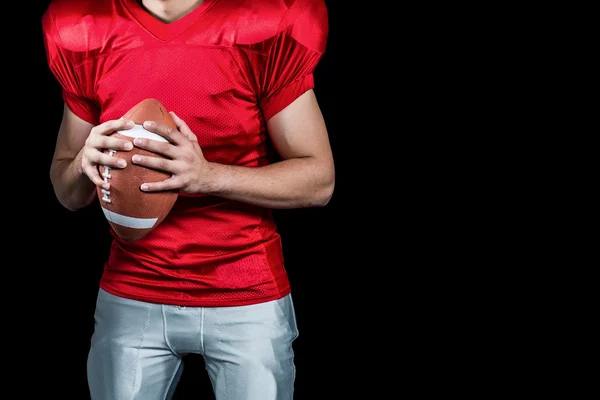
(169, 10)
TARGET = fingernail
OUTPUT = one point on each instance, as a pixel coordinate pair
(129, 123)
(122, 163)
(138, 141)
(128, 146)
(144, 187)
(149, 124)
(136, 158)
(106, 186)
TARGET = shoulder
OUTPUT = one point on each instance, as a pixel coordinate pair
(75, 24)
(315, 9)
(305, 20)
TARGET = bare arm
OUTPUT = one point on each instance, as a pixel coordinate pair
(304, 178)
(72, 187)
(73, 172)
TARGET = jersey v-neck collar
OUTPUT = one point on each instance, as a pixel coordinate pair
(161, 30)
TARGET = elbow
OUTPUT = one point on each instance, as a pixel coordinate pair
(71, 206)
(322, 196)
(66, 199)
(328, 193)
(69, 202)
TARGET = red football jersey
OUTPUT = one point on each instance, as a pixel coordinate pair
(225, 68)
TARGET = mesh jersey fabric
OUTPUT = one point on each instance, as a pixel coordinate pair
(225, 68)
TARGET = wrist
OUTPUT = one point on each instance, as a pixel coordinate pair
(214, 178)
(76, 166)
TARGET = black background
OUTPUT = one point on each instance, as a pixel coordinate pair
(59, 254)
(392, 280)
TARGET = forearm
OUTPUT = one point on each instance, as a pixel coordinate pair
(72, 187)
(292, 183)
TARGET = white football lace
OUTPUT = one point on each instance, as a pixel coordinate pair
(106, 176)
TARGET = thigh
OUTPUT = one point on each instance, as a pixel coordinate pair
(248, 350)
(129, 358)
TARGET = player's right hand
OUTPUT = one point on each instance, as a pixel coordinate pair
(98, 141)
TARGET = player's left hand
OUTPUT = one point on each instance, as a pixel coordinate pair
(184, 158)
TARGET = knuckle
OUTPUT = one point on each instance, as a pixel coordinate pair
(87, 158)
(116, 144)
(108, 125)
(167, 130)
(113, 125)
(160, 147)
(109, 144)
(175, 166)
(92, 157)
(89, 172)
(92, 142)
(108, 161)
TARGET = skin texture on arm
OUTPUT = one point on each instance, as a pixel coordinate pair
(304, 178)
(78, 150)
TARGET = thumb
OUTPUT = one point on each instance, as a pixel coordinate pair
(183, 127)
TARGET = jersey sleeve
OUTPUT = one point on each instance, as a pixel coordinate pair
(76, 92)
(293, 55)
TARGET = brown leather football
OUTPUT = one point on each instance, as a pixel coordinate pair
(132, 213)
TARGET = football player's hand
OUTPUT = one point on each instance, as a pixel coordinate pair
(92, 154)
(183, 157)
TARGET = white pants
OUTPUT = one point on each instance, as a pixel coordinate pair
(137, 348)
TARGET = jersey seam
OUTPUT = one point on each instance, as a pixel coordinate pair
(279, 31)
(60, 41)
(267, 101)
(266, 263)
